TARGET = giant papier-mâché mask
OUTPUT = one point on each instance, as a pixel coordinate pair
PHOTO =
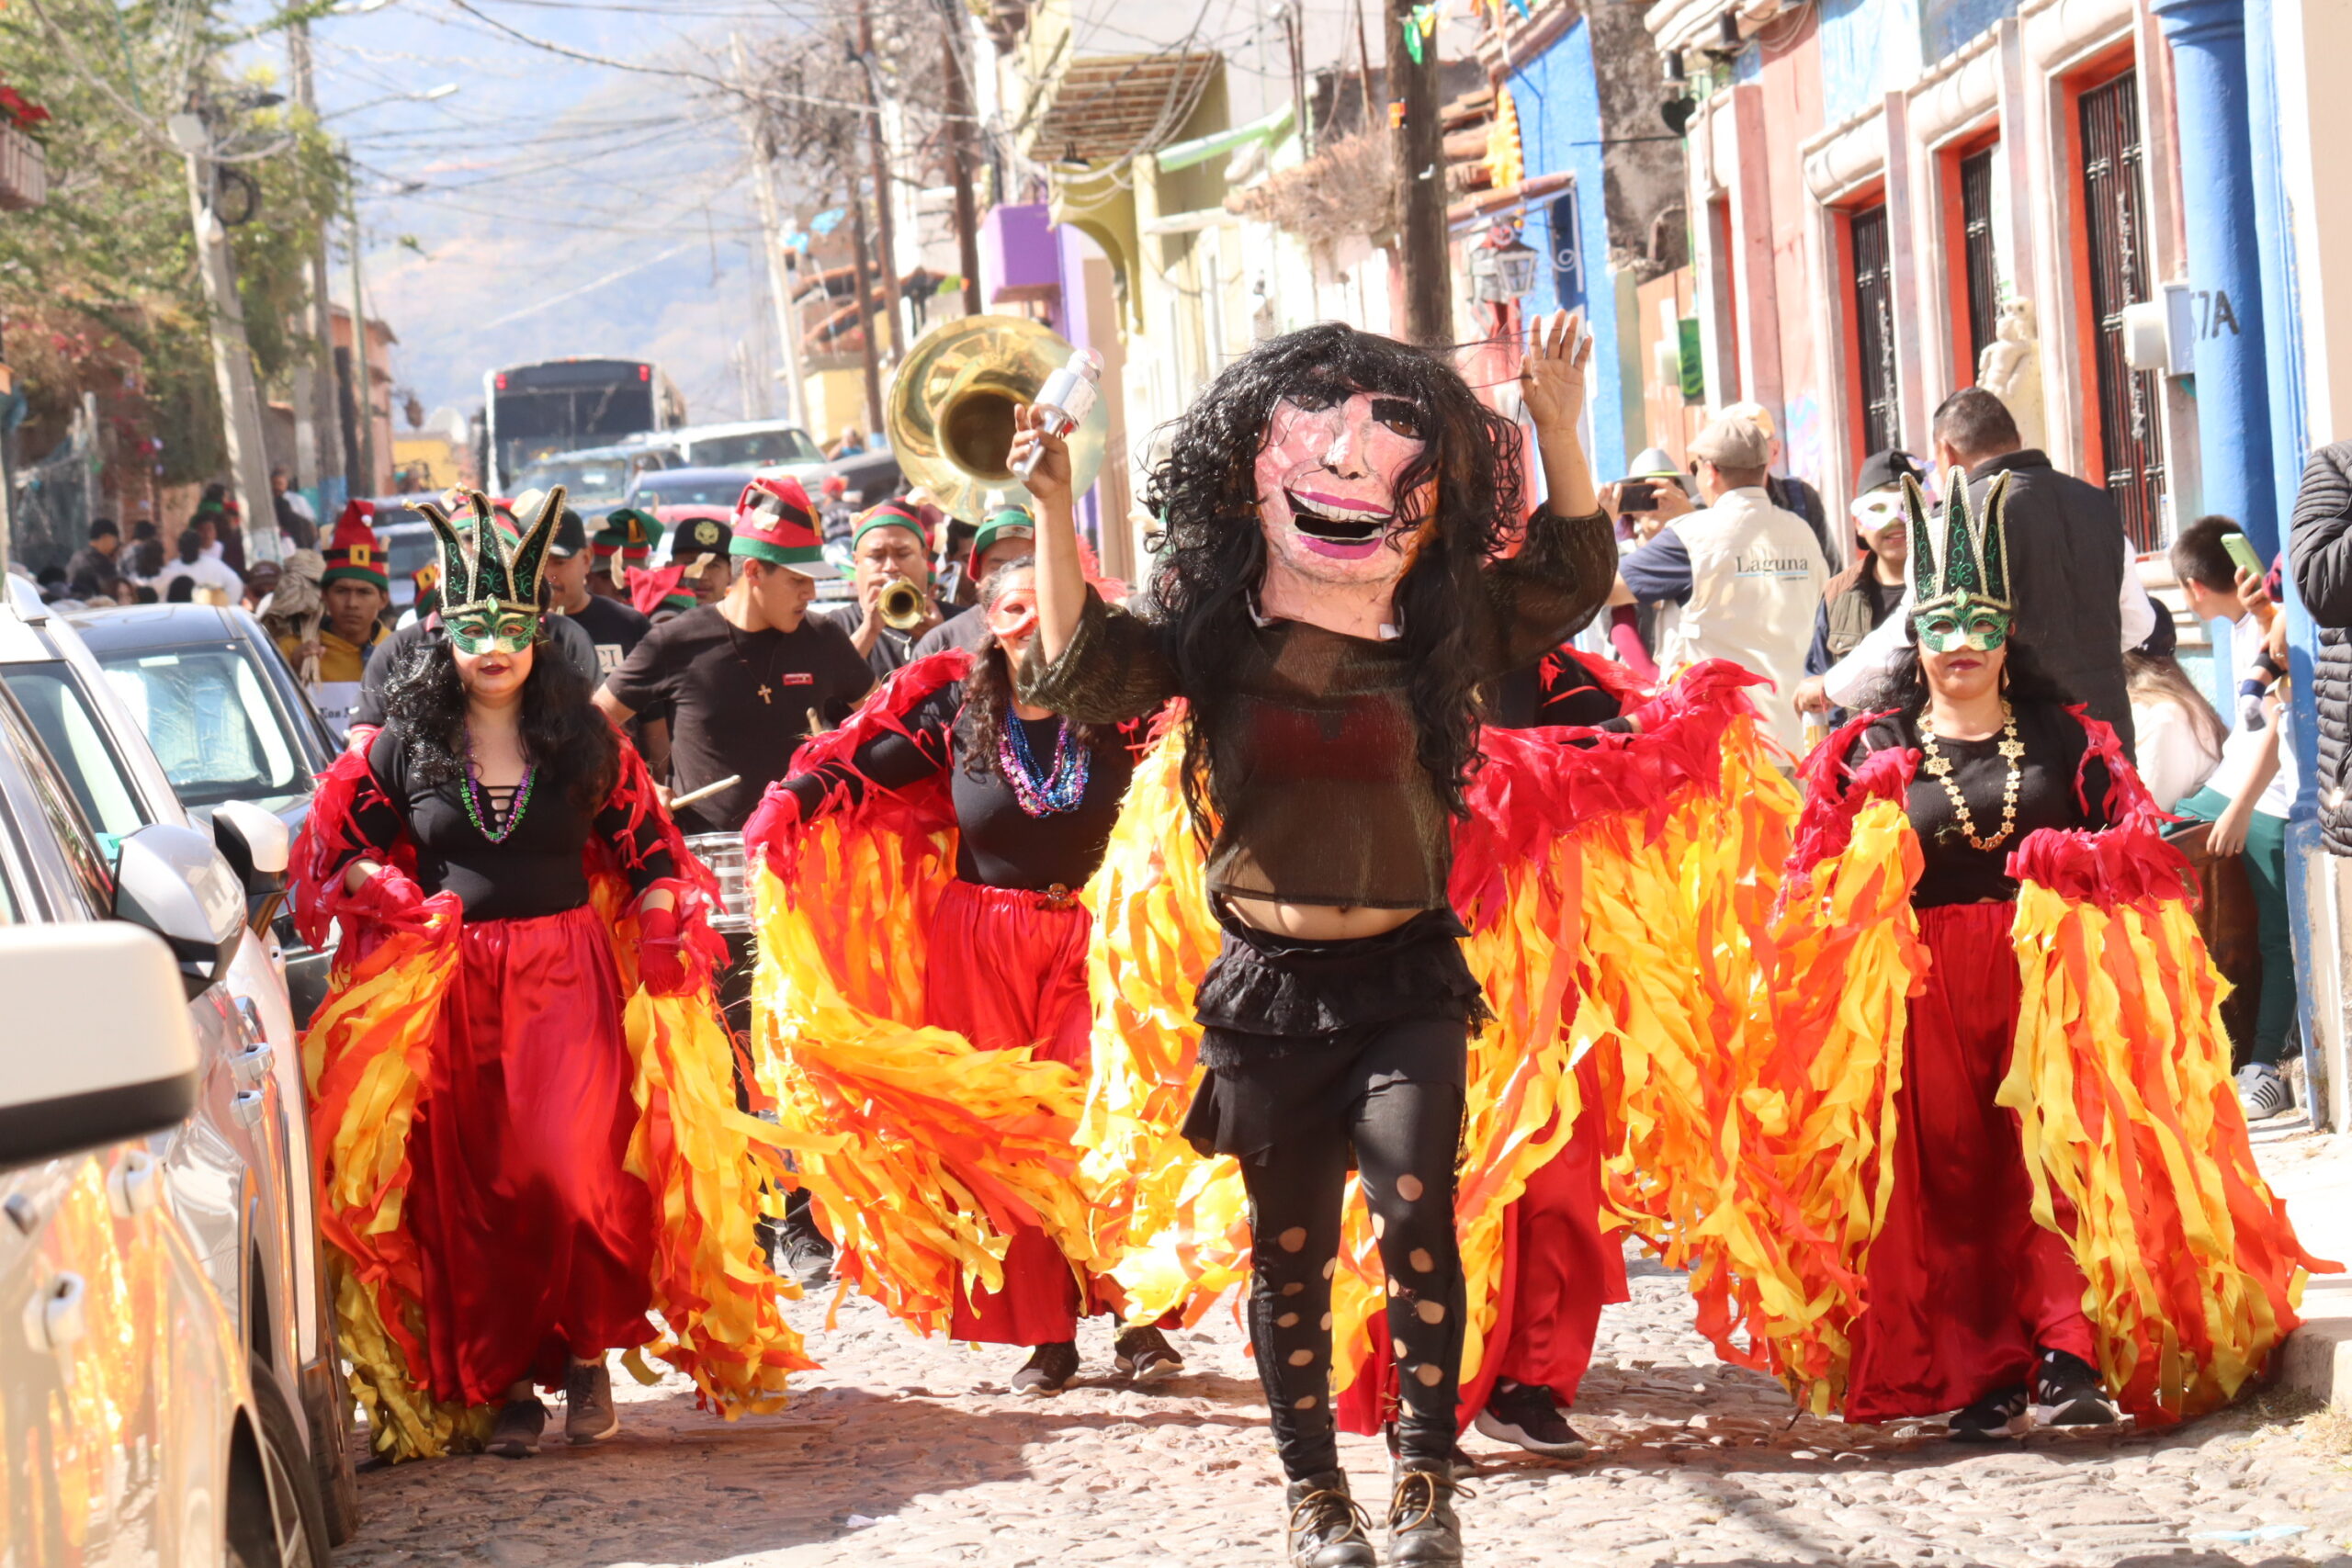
(1327, 483)
(1960, 572)
(490, 590)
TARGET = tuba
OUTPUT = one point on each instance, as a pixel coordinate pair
(949, 413)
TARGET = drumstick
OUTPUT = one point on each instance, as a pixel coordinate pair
(729, 782)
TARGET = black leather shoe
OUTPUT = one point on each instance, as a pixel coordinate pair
(1326, 1528)
(1423, 1530)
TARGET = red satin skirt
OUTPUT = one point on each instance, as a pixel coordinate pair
(537, 1245)
(1962, 1286)
(1559, 1273)
(1005, 972)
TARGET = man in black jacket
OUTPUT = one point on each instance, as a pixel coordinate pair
(2079, 602)
(2320, 552)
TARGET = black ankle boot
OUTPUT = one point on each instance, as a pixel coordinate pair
(1423, 1530)
(1326, 1529)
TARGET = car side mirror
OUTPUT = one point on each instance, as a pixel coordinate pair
(109, 1053)
(171, 880)
(255, 845)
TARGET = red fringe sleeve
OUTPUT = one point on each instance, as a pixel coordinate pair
(2128, 861)
(1835, 794)
(776, 829)
(324, 846)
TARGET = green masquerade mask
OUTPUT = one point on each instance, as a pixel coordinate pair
(1960, 580)
(489, 590)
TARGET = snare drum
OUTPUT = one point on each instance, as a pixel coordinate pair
(723, 852)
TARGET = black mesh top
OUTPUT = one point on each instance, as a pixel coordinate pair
(1956, 872)
(1325, 800)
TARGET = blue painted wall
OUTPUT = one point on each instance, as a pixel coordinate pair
(1559, 128)
(1867, 47)
(1945, 25)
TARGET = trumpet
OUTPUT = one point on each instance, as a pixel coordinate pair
(903, 605)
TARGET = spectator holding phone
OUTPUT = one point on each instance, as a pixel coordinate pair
(1652, 495)
(2246, 798)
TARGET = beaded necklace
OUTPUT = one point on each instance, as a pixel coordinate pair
(1057, 792)
(1939, 766)
(478, 808)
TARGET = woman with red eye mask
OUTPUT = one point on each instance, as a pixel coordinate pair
(1031, 797)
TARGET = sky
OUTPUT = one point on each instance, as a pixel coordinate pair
(549, 207)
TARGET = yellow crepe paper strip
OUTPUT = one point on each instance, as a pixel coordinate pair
(940, 1148)
(2120, 1075)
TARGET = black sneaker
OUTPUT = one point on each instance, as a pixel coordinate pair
(1048, 1370)
(2067, 1393)
(516, 1435)
(1144, 1355)
(1528, 1415)
(1326, 1528)
(1993, 1417)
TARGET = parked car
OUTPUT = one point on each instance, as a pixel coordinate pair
(669, 493)
(145, 1415)
(869, 477)
(256, 1233)
(594, 478)
(228, 721)
(776, 445)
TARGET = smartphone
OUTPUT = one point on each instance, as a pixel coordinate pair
(2240, 551)
(1637, 495)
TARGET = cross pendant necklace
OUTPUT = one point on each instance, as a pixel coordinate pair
(767, 693)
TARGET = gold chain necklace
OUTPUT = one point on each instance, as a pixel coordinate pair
(1939, 767)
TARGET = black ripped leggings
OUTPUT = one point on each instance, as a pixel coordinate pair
(1404, 1136)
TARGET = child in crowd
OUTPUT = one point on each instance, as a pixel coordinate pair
(2247, 797)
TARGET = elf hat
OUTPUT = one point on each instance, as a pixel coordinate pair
(627, 538)
(775, 524)
(890, 514)
(354, 554)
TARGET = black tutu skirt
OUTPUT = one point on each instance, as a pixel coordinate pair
(1296, 1033)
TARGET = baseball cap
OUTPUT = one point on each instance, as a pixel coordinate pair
(695, 538)
(1734, 441)
(571, 537)
(1011, 522)
(1883, 468)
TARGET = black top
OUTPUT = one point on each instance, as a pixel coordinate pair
(1955, 871)
(710, 678)
(614, 628)
(966, 628)
(1313, 748)
(2065, 545)
(390, 659)
(892, 650)
(998, 845)
(1554, 691)
(535, 871)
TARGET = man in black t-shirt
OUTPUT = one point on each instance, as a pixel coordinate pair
(612, 626)
(741, 678)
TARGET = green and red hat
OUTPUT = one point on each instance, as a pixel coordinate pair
(627, 539)
(353, 553)
(890, 514)
(775, 524)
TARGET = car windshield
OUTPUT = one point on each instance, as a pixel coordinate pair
(583, 477)
(691, 488)
(77, 743)
(749, 450)
(207, 715)
(407, 550)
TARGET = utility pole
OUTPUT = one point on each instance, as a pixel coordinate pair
(885, 227)
(780, 281)
(865, 309)
(232, 360)
(959, 156)
(1420, 175)
(318, 413)
(363, 390)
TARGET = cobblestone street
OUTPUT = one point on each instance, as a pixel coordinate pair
(907, 1451)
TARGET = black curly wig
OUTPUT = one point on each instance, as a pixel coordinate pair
(1214, 552)
(568, 742)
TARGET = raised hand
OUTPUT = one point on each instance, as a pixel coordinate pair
(1551, 375)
